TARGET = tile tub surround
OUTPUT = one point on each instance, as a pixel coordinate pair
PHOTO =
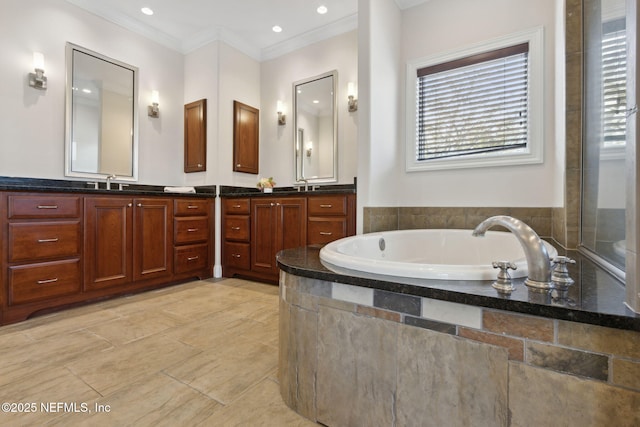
(396, 365)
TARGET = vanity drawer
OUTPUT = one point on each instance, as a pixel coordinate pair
(325, 230)
(190, 258)
(327, 205)
(190, 207)
(42, 206)
(236, 206)
(236, 255)
(236, 227)
(35, 282)
(40, 240)
(189, 230)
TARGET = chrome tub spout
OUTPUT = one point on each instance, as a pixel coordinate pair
(538, 262)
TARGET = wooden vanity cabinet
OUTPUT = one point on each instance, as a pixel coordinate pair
(246, 138)
(192, 237)
(236, 236)
(42, 244)
(276, 224)
(127, 240)
(63, 249)
(195, 136)
(330, 218)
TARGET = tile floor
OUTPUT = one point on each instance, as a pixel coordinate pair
(204, 353)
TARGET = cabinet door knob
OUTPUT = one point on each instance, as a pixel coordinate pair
(199, 165)
(236, 255)
(129, 205)
(139, 205)
(238, 165)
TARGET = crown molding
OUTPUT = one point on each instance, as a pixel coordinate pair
(406, 4)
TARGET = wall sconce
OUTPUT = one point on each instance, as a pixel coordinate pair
(282, 118)
(351, 93)
(309, 148)
(154, 110)
(38, 80)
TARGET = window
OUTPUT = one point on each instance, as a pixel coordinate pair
(476, 107)
(614, 82)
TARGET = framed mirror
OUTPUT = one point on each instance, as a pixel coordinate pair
(101, 132)
(315, 127)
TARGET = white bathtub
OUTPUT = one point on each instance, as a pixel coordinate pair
(429, 254)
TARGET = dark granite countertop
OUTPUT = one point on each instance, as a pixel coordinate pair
(70, 186)
(229, 192)
(596, 297)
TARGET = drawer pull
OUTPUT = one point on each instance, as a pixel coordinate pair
(193, 258)
(55, 239)
(192, 207)
(47, 206)
(235, 228)
(326, 206)
(237, 206)
(44, 282)
(326, 233)
(236, 255)
(139, 205)
(191, 230)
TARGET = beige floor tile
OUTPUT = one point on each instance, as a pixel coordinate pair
(157, 400)
(199, 353)
(259, 406)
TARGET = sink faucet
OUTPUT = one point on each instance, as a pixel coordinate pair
(109, 178)
(538, 261)
(306, 184)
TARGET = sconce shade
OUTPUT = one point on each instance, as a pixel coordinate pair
(351, 94)
(153, 109)
(37, 80)
(282, 118)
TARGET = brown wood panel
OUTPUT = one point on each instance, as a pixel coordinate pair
(263, 234)
(190, 207)
(236, 206)
(43, 206)
(153, 238)
(293, 224)
(327, 205)
(32, 241)
(324, 230)
(246, 121)
(191, 230)
(237, 228)
(191, 258)
(195, 136)
(237, 255)
(36, 282)
(108, 241)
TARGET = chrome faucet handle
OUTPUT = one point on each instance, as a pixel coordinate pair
(503, 285)
(560, 274)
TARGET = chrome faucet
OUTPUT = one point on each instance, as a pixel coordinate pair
(538, 261)
(306, 184)
(109, 178)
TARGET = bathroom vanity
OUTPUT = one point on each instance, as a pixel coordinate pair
(65, 244)
(435, 352)
(256, 225)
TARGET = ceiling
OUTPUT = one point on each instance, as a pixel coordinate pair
(186, 25)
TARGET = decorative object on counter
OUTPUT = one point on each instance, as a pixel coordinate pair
(179, 189)
(37, 80)
(266, 184)
(503, 285)
(154, 110)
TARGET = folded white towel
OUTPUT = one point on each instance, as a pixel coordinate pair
(179, 189)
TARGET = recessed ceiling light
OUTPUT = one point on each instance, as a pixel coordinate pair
(315, 101)
(322, 9)
(277, 29)
(146, 11)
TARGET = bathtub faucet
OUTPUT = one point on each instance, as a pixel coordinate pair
(538, 262)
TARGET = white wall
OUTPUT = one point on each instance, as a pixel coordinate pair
(32, 121)
(277, 78)
(435, 27)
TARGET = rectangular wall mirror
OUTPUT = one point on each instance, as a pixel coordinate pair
(101, 132)
(316, 129)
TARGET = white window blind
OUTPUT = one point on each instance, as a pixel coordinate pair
(474, 105)
(614, 78)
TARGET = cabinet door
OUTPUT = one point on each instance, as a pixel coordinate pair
(195, 136)
(264, 221)
(293, 224)
(245, 138)
(107, 241)
(153, 238)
